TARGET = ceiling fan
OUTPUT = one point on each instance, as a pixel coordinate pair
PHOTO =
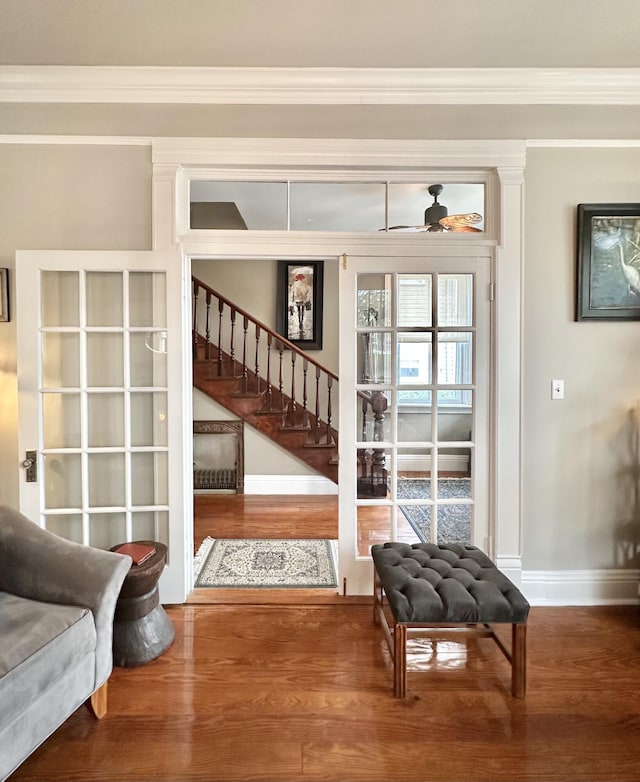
(437, 218)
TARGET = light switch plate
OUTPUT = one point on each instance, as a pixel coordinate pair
(557, 389)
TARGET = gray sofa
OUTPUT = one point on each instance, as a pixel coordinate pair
(57, 601)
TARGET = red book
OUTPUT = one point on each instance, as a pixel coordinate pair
(139, 552)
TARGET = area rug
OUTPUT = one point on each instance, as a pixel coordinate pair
(303, 564)
(454, 521)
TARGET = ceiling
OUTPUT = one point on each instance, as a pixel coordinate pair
(349, 34)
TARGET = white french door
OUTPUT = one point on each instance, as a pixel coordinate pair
(414, 406)
(101, 388)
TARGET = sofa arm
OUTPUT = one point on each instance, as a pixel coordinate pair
(36, 564)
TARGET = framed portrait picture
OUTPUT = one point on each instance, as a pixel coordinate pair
(299, 302)
(608, 273)
(4, 295)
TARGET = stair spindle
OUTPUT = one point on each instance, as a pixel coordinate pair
(207, 327)
(257, 366)
(245, 376)
(196, 288)
(232, 348)
(220, 353)
(293, 407)
(329, 411)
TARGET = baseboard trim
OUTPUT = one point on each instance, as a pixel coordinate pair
(581, 587)
(288, 484)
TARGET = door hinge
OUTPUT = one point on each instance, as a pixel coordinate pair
(492, 291)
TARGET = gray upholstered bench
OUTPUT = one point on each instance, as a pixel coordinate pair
(446, 591)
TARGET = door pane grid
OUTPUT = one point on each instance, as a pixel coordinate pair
(444, 400)
(91, 499)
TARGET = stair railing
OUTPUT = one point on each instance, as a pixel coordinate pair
(264, 364)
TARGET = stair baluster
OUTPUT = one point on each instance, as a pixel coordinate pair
(196, 288)
(224, 374)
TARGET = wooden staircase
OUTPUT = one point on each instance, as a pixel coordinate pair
(264, 379)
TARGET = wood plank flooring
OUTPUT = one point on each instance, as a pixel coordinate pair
(290, 686)
(297, 693)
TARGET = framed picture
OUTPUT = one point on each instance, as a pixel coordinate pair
(299, 303)
(608, 274)
(4, 295)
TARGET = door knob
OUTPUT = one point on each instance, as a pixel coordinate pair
(30, 464)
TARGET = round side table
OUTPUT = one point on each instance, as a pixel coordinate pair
(142, 630)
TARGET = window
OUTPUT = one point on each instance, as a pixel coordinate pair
(363, 206)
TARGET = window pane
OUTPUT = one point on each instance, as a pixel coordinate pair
(104, 298)
(62, 480)
(107, 529)
(414, 425)
(455, 423)
(408, 202)
(455, 300)
(105, 420)
(61, 420)
(66, 526)
(60, 360)
(255, 206)
(374, 300)
(106, 479)
(373, 526)
(104, 360)
(414, 300)
(151, 478)
(414, 359)
(61, 304)
(147, 299)
(337, 206)
(374, 357)
(149, 418)
(148, 363)
(372, 470)
(454, 357)
(374, 416)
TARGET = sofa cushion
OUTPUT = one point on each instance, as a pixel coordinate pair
(39, 642)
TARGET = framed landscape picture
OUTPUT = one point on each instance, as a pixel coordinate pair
(608, 272)
(299, 303)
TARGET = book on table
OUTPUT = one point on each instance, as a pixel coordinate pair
(139, 552)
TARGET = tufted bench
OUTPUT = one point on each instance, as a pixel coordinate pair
(444, 591)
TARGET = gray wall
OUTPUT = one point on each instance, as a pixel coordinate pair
(62, 198)
(578, 464)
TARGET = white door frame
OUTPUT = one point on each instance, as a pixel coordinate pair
(175, 161)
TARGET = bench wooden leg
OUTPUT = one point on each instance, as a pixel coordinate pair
(518, 660)
(399, 660)
(97, 703)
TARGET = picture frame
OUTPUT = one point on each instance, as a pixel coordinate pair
(5, 315)
(608, 262)
(299, 302)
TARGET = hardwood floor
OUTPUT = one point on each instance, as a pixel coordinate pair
(295, 693)
(295, 686)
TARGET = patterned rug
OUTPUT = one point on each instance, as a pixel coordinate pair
(303, 564)
(454, 521)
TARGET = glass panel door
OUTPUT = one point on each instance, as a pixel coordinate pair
(419, 432)
(98, 377)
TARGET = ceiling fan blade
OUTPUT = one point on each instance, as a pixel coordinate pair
(460, 222)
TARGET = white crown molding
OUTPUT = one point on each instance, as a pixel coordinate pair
(90, 141)
(421, 154)
(354, 86)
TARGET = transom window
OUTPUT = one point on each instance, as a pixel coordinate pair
(337, 206)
